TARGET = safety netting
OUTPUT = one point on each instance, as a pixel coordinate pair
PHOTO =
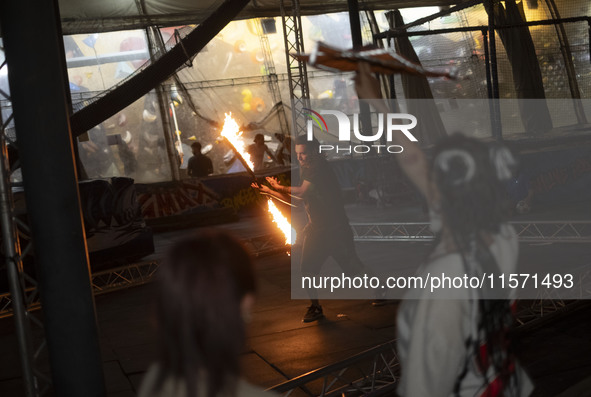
(243, 71)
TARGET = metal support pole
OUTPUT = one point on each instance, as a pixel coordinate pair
(430, 32)
(297, 71)
(391, 44)
(489, 89)
(169, 135)
(140, 84)
(356, 37)
(155, 45)
(51, 193)
(589, 38)
(355, 23)
(271, 75)
(568, 62)
(497, 128)
(22, 326)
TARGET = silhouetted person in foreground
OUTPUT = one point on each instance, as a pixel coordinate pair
(454, 341)
(205, 295)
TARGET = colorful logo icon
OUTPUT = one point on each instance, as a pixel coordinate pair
(317, 118)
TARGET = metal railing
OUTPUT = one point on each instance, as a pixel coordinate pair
(373, 372)
(133, 274)
(527, 231)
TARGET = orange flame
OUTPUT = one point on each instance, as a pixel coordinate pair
(282, 223)
(232, 133)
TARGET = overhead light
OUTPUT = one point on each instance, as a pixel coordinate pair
(269, 26)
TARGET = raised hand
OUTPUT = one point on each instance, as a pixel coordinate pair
(273, 182)
(262, 188)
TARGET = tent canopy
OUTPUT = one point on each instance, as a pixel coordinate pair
(92, 16)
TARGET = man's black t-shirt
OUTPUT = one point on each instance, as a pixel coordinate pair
(323, 199)
(199, 166)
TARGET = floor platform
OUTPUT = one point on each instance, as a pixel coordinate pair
(280, 347)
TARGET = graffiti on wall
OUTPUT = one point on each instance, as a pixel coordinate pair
(174, 198)
(559, 176)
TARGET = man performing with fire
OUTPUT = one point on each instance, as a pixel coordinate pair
(327, 232)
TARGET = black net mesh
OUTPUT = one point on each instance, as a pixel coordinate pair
(560, 50)
(464, 51)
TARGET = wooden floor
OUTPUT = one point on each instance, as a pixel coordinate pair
(556, 350)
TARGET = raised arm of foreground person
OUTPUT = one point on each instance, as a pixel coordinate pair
(412, 160)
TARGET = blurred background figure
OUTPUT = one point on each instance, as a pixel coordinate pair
(257, 152)
(205, 295)
(283, 152)
(199, 165)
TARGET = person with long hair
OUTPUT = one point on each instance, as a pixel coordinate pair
(205, 294)
(457, 342)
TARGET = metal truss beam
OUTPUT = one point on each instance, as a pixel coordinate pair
(152, 75)
(297, 71)
(554, 231)
(123, 277)
(527, 232)
(200, 85)
(271, 75)
(380, 367)
(372, 372)
(16, 243)
(142, 272)
(102, 282)
(533, 313)
(407, 231)
(266, 244)
(550, 300)
(133, 274)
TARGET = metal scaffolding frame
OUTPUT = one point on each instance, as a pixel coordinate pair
(488, 36)
(271, 74)
(268, 244)
(379, 367)
(527, 231)
(370, 373)
(297, 71)
(102, 282)
(407, 231)
(376, 372)
(142, 81)
(123, 277)
(206, 84)
(131, 275)
(23, 295)
(531, 312)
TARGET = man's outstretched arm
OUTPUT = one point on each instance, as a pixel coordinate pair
(294, 191)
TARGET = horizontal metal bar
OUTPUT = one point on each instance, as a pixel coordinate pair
(101, 59)
(139, 273)
(390, 34)
(329, 369)
(527, 232)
